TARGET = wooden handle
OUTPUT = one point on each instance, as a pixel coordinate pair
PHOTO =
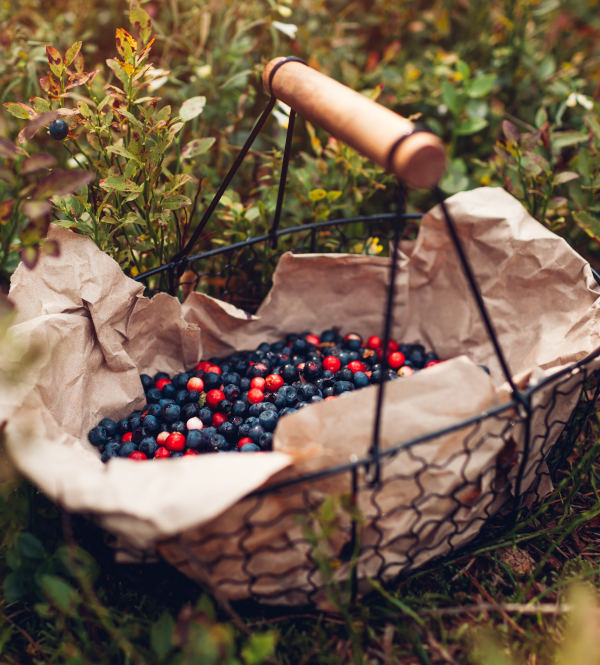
(417, 159)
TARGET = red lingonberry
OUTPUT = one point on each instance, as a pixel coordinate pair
(255, 395)
(175, 441)
(126, 437)
(161, 438)
(392, 345)
(161, 383)
(273, 382)
(214, 368)
(214, 396)
(332, 363)
(137, 455)
(431, 363)
(195, 383)
(396, 359)
(162, 452)
(405, 370)
(374, 342)
(356, 366)
(190, 452)
(312, 339)
(258, 382)
(243, 441)
(203, 366)
(218, 419)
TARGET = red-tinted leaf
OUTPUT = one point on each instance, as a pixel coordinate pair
(5, 210)
(55, 61)
(51, 247)
(81, 78)
(8, 150)
(565, 176)
(32, 128)
(78, 62)
(37, 163)
(35, 209)
(60, 183)
(510, 131)
(141, 21)
(30, 256)
(51, 85)
(20, 110)
(126, 44)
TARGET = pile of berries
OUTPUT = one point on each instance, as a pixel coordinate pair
(234, 403)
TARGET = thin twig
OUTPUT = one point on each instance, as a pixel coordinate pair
(505, 608)
(487, 595)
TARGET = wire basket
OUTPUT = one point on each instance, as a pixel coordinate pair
(230, 555)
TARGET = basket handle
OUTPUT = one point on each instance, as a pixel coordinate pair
(416, 157)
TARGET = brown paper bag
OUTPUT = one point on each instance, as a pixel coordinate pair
(100, 333)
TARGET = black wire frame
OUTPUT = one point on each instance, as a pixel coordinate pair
(370, 464)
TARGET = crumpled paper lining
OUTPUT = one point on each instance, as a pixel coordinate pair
(102, 333)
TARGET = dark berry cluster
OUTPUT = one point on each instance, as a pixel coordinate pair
(234, 403)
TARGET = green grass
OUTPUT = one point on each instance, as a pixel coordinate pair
(504, 599)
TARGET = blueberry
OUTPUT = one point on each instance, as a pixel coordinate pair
(211, 380)
(58, 129)
(245, 384)
(110, 426)
(219, 442)
(330, 336)
(343, 386)
(110, 450)
(344, 374)
(361, 380)
(123, 426)
(308, 390)
(289, 373)
(258, 369)
(257, 409)
(189, 411)
(181, 397)
(148, 446)
(316, 398)
(153, 395)
(290, 395)
(171, 412)
(147, 381)
(230, 378)
(127, 448)
(232, 391)
(196, 441)
(205, 414)
(239, 408)
(150, 424)
(352, 341)
(161, 375)
(177, 453)
(154, 409)
(137, 435)
(168, 391)
(180, 380)
(313, 370)
(268, 419)
(249, 448)
(98, 436)
(229, 431)
(266, 441)
(178, 426)
(264, 347)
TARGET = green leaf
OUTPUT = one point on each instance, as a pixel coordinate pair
(118, 71)
(71, 53)
(260, 646)
(175, 202)
(565, 176)
(471, 126)
(192, 108)
(451, 97)
(60, 593)
(14, 587)
(541, 117)
(197, 147)
(463, 69)
(122, 152)
(562, 140)
(161, 635)
(588, 223)
(481, 86)
(119, 184)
